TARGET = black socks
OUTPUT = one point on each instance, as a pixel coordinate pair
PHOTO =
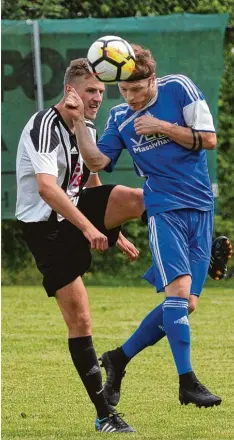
(86, 363)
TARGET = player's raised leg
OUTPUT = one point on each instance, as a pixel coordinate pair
(124, 204)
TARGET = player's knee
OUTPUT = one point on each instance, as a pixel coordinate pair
(130, 199)
(180, 287)
(84, 321)
(137, 201)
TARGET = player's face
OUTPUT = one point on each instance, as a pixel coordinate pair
(138, 93)
(91, 92)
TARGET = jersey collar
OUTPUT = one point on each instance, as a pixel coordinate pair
(62, 121)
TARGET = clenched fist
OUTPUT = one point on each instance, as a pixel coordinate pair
(147, 125)
(74, 105)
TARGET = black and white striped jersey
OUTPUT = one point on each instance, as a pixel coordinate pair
(47, 146)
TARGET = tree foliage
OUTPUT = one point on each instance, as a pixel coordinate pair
(60, 9)
(226, 136)
(34, 9)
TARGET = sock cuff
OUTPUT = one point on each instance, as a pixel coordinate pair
(80, 343)
(172, 302)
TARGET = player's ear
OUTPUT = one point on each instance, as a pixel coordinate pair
(153, 78)
(68, 88)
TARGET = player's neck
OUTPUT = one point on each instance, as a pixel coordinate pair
(154, 94)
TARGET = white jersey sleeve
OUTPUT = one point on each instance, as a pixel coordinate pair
(195, 110)
(41, 149)
(43, 143)
(197, 116)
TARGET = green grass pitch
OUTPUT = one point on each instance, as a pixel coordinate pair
(42, 396)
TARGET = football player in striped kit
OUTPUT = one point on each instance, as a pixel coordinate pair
(64, 212)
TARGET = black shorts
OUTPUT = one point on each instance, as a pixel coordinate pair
(61, 251)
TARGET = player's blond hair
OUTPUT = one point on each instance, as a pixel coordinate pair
(145, 63)
(76, 69)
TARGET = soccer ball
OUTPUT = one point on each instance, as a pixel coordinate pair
(111, 59)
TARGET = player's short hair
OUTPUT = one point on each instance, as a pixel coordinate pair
(145, 64)
(76, 69)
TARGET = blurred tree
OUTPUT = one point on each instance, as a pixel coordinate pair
(22, 9)
(226, 134)
(34, 9)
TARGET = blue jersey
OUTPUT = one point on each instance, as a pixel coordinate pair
(175, 177)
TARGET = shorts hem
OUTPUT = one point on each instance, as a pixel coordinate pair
(51, 290)
(161, 288)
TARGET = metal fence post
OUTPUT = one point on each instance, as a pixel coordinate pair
(37, 63)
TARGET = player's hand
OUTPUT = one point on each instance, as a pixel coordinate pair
(98, 241)
(147, 124)
(74, 105)
(127, 248)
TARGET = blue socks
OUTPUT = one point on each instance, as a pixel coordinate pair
(148, 333)
(170, 318)
(176, 325)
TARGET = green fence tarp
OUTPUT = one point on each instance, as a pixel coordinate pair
(181, 43)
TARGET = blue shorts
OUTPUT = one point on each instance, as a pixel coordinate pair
(180, 243)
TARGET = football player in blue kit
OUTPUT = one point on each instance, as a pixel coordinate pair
(166, 126)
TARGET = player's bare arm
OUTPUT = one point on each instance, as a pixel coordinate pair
(94, 159)
(182, 135)
(56, 198)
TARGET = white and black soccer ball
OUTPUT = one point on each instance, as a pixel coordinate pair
(111, 59)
